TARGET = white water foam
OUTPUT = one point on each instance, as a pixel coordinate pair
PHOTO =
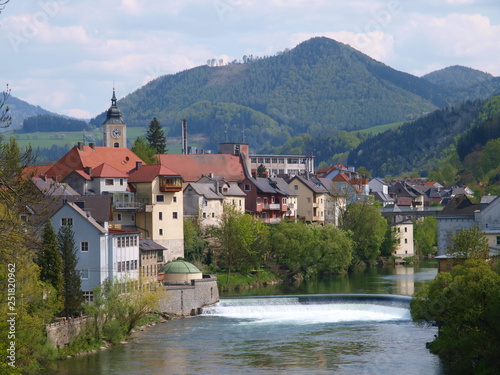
(290, 311)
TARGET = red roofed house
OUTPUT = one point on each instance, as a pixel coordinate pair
(159, 190)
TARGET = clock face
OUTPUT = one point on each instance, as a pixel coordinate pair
(115, 133)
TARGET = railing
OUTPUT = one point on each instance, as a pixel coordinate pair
(273, 206)
(128, 205)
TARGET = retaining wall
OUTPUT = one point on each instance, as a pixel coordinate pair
(189, 299)
(61, 333)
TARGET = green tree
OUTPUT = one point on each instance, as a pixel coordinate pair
(72, 288)
(261, 170)
(156, 137)
(425, 235)
(33, 301)
(390, 241)
(242, 239)
(468, 244)
(49, 259)
(143, 150)
(465, 305)
(194, 243)
(5, 119)
(368, 228)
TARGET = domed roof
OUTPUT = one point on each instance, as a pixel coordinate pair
(180, 266)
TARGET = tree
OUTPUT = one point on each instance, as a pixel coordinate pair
(368, 228)
(72, 291)
(242, 239)
(143, 150)
(261, 170)
(194, 243)
(50, 260)
(390, 241)
(156, 137)
(468, 244)
(465, 305)
(425, 235)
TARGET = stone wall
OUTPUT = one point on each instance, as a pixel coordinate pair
(61, 333)
(189, 299)
(181, 300)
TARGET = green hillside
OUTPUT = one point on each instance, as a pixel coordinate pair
(457, 77)
(319, 86)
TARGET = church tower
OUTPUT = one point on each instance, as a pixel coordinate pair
(114, 128)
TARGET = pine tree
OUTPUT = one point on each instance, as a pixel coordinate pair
(50, 259)
(156, 137)
(72, 292)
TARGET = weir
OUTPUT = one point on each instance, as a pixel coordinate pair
(313, 309)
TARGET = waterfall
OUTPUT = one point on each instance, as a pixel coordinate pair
(313, 309)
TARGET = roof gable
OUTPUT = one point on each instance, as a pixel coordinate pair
(147, 173)
(107, 171)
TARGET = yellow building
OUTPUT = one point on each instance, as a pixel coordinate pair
(159, 189)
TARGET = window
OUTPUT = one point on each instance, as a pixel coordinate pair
(267, 160)
(127, 241)
(135, 240)
(213, 214)
(258, 200)
(174, 215)
(275, 160)
(160, 232)
(272, 199)
(128, 265)
(119, 217)
(204, 215)
(205, 203)
(498, 240)
(88, 296)
(406, 229)
(174, 199)
(406, 240)
(295, 187)
(247, 187)
(84, 273)
(234, 202)
(160, 198)
(84, 246)
(121, 181)
(254, 160)
(67, 221)
(308, 199)
(281, 160)
(109, 182)
(119, 267)
(132, 217)
(261, 160)
(284, 200)
(160, 215)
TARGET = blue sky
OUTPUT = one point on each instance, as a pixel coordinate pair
(65, 55)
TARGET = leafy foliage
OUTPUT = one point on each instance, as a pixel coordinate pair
(465, 305)
(49, 259)
(457, 77)
(368, 229)
(144, 151)
(194, 243)
(425, 235)
(310, 250)
(468, 244)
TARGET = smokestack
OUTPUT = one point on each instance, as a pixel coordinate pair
(138, 165)
(184, 136)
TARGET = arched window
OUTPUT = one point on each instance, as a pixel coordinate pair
(116, 144)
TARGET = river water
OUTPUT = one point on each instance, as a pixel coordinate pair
(286, 330)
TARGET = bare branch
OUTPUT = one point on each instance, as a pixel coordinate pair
(5, 118)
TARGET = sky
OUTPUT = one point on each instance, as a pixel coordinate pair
(67, 55)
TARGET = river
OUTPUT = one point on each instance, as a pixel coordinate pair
(286, 330)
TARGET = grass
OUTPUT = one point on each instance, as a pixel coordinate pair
(238, 281)
(381, 128)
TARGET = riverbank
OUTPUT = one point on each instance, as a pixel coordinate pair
(239, 282)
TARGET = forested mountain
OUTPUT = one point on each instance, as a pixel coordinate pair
(20, 110)
(457, 77)
(418, 145)
(320, 87)
(52, 123)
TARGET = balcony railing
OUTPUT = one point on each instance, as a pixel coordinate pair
(170, 184)
(272, 206)
(128, 205)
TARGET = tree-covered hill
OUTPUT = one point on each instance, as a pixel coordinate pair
(457, 77)
(52, 123)
(416, 146)
(319, 86)
(21, 110)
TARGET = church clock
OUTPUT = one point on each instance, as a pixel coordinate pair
(114, 128)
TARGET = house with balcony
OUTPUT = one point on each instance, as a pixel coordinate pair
(206, 199)
(159, 191)
(312, 197)
(265, 199)
(102, 253)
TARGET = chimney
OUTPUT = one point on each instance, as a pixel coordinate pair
(88, 170)
(138, 165)
(92, 145)
(80, 145)
(184, 136)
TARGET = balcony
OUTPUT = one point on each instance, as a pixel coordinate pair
(272, 207)
(170, 184)
(125, 201)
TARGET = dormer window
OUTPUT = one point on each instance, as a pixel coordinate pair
(170, 183)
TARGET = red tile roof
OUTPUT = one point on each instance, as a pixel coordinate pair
(147, 173)
(192, 167)
(106, 170)
(120, 158)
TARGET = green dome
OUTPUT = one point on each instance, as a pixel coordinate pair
(180, 266)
